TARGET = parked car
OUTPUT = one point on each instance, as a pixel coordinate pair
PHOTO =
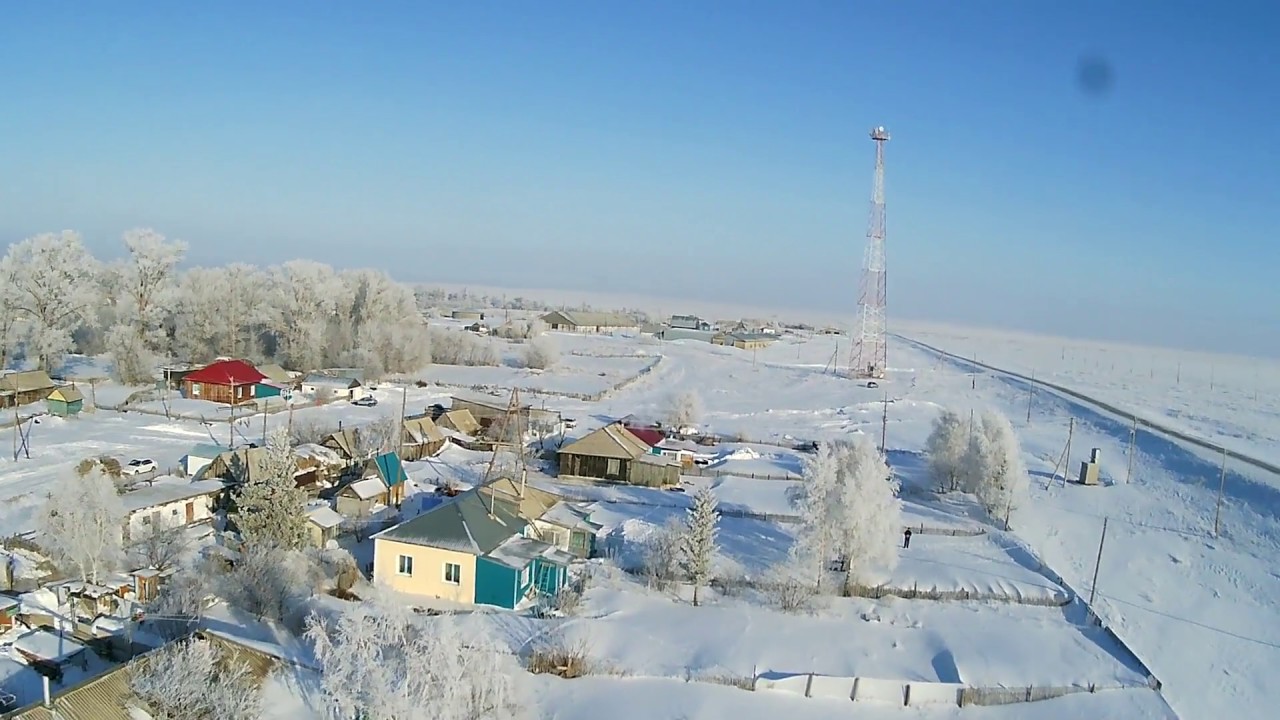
(138, 466)
(365, 401)
(873, 384)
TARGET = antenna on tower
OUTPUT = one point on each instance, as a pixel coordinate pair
(868, 357)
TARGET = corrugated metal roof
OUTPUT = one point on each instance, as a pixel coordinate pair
(365, 488)
(106, 697)
(25, 381)
(462, 421)
(610, 441)
(67, 394)
(421, 430)
(533, 505)
(275, 373)
(464, 524)
(582, 318)
(227, 372)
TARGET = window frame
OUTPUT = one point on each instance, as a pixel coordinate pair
(457, 575)
(404, 565)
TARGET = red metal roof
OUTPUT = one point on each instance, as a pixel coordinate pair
(227, 372)
(648, 436)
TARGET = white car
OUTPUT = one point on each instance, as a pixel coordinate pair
(138, 466)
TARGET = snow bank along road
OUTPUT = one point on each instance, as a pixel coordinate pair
(1102, 405)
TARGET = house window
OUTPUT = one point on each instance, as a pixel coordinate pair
(195, 389)
(614, 467)
(406, 565)
(253, 389)
(452, 573)
(524, 575)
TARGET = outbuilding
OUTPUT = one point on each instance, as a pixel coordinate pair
(65, 401)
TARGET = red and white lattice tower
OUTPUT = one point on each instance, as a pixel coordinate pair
(869, 356)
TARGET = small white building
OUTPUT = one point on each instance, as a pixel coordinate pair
(323, 523)
(170, 501)
(332, 387)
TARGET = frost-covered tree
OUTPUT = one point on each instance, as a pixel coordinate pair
(380, 327)
(872, 514)
(945, 450)
(380, 662)
(683, 409)
(379, 436)
(271, 582)
(307, 295)
(661, 552)
(182, 600)
(141, 295)
(54, 289)
(193, 679)
(269, 510)
(817, 501)
(9, 312)
(699, 539)
(82, 524)
(1004, 487)
(540, 353)
(453, 347)
(978, 461)
(161, 545)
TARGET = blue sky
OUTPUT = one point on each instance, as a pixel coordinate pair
(714, 150)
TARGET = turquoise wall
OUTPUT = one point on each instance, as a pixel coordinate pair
(549, 577)
(496, 584)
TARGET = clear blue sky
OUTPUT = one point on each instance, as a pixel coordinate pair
(709, 149)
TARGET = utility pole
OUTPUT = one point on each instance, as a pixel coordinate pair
(1222, 486)
(1066, 466)
(231, 418)
(290, 420)
(404, 404)
(1093, 589)
(1133, 444)
(1031, 388)
(265, 404)
(16, 422)
(884, 426)
(1211, 371)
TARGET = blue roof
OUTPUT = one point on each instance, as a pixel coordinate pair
(390, 469)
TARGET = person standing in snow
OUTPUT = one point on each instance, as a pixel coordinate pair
(906, 539)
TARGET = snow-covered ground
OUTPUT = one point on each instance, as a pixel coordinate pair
(1199, 610)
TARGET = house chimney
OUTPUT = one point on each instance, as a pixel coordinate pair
(47, 701)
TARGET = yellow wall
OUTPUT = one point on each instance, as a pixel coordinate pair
(428, 571)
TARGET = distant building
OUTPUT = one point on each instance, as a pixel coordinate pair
(744, 341)
(689, 322)
(467, 315)
(65, 401)
(615, 454)
(22, 388)
(674, 333)
(324, 386)
(588, 322)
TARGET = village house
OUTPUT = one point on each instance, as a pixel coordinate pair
(24, 387)
(554, 520)
(615, 454)
(169, 502)
(318, 467)
(470, 315)
(488, 411)
(229, 382)
(345, 442)
(50, 649)
(277, 375)
(65, 401)
(689, 322)
(323, 523)
(582, 321)
(458, 426)
(671, 334)
(327, 388)
(743, 340)
(421, 438)
(471, 549)
(382, 482)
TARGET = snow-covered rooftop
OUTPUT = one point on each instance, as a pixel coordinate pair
(325, 516)
(168, 489)
(367, 488)
(48, 646)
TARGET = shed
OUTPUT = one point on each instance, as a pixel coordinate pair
(9, 608)
(323, 524)
(42, 647)
(421, 438)
(331, 387)
(388, 468)
(461, 421)
(24, 387)
(358, 499)
(65, 400)
(199, 457)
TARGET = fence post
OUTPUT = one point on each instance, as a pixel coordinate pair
(808, 686)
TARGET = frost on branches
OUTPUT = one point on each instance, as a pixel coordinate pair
(82, 524)
(269, 510)
(698, 546)
(849, 510)
(381, 662)
(51, 278)
(684, 409)
(540, 353)
(1004, 476)
(192, 679)
(945, 450)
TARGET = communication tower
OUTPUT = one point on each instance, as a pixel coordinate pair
(869, 356)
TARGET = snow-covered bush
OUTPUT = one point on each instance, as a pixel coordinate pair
(192, 679)
(81, 524)
(540, 353)
(380, 662)
(817, 502)
(662, 553)
(683, 409)
(1003, 488)
(698, 542)
(271, 582)
(451, 347)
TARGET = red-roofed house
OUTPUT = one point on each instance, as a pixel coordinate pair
(648, 436)
(227, 381)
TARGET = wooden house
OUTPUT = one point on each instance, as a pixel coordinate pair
(421, 438)
(65, 401)
(24, 387)
(382, 482)
(613, 453)
(229, 382)
(471, 549)
(9, 609)
(564, 524)
(588, 322)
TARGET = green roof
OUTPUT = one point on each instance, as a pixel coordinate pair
(464, 524)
